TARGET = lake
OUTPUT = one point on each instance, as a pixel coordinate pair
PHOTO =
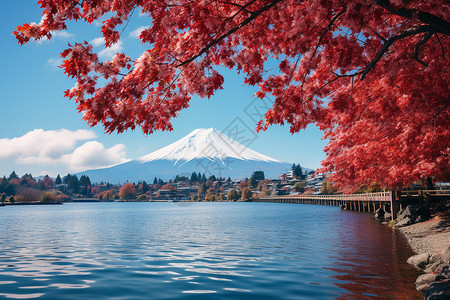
(200, 251)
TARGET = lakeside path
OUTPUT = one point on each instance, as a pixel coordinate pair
(432, 236)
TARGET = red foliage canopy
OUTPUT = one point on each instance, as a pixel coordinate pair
(373, 74)
(168, 187)
(127, 191)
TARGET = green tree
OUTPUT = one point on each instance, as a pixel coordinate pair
(145, 187)
(298, 172)
(193, 177)
(13, 175)
(58, 180)
(258, 175)
(232, 195)
(246, 193)
(84, 180)
(41, 185)
(10, 199)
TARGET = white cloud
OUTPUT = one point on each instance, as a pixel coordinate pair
(137, 32)
(93, 155)
(62, 34)
(58, 147)
(107, 53)
(111, 51)
(42, 144)
(97, 42)
(55, 61)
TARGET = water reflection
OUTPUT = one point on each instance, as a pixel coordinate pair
(202, 251)
(372, 265)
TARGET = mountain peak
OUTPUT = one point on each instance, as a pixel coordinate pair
(207, 143)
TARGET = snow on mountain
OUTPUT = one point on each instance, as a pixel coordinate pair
(206, 151)
(205, 143)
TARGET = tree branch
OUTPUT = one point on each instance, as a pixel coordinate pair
(424, 39)
(436, 114)
(422, 29)
(231, 31)
(439, 24)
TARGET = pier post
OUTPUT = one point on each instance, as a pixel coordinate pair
(394, 199)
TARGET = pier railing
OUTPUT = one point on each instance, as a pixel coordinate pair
(379, 196)
(368, 202)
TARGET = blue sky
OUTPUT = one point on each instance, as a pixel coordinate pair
(41, 131)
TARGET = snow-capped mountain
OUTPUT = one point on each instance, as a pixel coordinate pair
(206, 151)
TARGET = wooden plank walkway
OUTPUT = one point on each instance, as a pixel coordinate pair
(370, 202)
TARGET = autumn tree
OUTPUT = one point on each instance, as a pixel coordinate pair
(142, 197)
(49, 183)
(251, 182)
(202, 188)
(168, 187)
(232, 195)
(246, 193)
(327, 188)
(243, 184)
(127, 192)
(211, 197)
(373, 75)
(298, 186)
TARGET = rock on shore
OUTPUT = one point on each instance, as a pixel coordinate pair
(431, 241)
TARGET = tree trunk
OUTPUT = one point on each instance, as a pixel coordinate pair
(429, 183)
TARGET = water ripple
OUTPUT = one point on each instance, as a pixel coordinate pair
(203, 251)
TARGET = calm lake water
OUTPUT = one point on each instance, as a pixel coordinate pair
(200, 251)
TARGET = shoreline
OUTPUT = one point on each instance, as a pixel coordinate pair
(430, 241)
(432, 236)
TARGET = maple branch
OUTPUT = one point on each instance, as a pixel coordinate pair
(422, 29)
(438, 24)
(440, 43)
(347, 75)
(117, 73)
(436, 114)
(242, 7)
(380, 36)
(424, 39)
(128, 21)
(231, 31)
(320, 41)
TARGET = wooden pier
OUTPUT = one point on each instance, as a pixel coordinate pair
(390, 202)
(370, 202)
